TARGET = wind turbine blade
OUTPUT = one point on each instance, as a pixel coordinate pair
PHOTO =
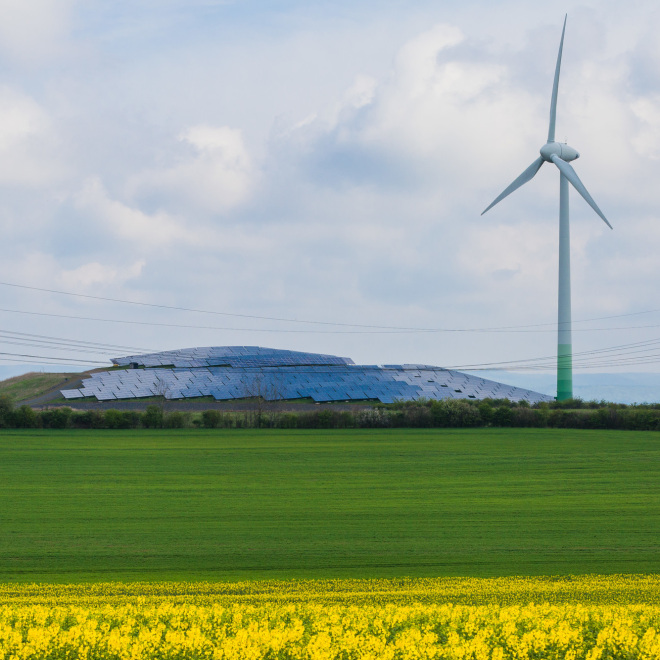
(522, 179)
(555, 88)
(574, 179)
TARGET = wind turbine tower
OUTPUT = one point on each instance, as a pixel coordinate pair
(560, 154)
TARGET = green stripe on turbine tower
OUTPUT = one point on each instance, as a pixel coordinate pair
(564, 341)
(560, 154)
(564, 372)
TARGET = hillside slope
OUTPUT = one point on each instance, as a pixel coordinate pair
(37, 385)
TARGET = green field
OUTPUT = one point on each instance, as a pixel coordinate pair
(196, 504)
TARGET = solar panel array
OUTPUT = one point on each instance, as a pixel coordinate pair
(227, 373)
(231, 356)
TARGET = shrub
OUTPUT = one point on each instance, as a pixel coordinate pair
(344, 420)
(568, 404)
(325, 419)
(113, 419)
(417, 415)
(121, 419)
(566, 419)
(211, 419)
(319, 419)
(502, 416)
(152, 418)
(453, 413)
(486, 412)
(134, 418)
(87, 419)
(287, 421)
(25, 418)
(174, 420)
(55, 418)
(526, 417)
(6, 410)
(373, 418)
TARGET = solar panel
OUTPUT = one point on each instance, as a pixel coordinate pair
(231, 372)
(72, 394)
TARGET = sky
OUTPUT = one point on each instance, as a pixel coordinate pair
(310, 176)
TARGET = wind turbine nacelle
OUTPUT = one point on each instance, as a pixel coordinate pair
(564, 152)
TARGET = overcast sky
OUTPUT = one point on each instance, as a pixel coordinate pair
(325, 162)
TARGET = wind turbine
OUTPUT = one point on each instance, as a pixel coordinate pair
(560, 154)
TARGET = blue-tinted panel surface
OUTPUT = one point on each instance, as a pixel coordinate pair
(234, 372)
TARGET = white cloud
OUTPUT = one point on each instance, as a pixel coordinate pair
(416, 62)
(647, 140)
(336, 182)
(94, 273)
(32, 268)
(360, 93)
(28, 143)
(524, 250)
(215, 175)
(443, 116)
(42, 269)
(145, 230)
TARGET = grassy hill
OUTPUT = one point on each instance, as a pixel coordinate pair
(207, 504)
(35, 384)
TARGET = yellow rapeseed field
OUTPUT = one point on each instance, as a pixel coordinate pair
(587, 617)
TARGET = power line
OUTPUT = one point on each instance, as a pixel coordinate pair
(533, 364)
(57, 345)
(582, 358)
(50, 357)
(325, 332)
(625, 354)
(40, 363)
(77, 342)
(189, 309)
(304, 321)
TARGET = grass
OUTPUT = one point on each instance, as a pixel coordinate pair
(196, 504)
(34, 384)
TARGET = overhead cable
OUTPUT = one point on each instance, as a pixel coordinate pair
(78, 342)
(512, 329)
(59, 359)
(304, 321)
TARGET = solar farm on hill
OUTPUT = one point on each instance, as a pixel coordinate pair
(236, 372)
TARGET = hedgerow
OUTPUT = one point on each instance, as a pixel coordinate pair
(448, 413)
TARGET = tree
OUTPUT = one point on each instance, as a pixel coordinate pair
(6, 409)
(263, 390)
(161, 390)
